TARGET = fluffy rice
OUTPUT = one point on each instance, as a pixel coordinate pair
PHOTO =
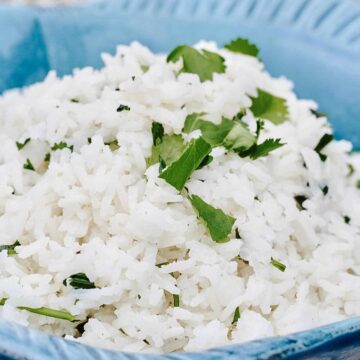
(103, 213)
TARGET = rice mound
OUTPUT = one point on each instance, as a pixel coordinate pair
(102, 212)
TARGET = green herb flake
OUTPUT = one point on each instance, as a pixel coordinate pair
(243, 46)
(47, 157)
(347, 219)
(75, 100)
(265, 148)
(62, 145)
(216, 221)
(113, 144)
(270, 107)
(79, 281)
(123, 108)
(236, 316)
(145, 68)
(180, 170)
(325, 190)
(358, 184)
(20, 145)
(10, 248)
(28, 165)
(201, 62)
(278, 265)
(351, 169)
(318, 114)
(3, 301)
(176, 300)
(58, 314)
(208, 159)
(239, 138)
(167, 151)
(157, 131)
(324, 141)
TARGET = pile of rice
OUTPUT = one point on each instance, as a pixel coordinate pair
(102, 212)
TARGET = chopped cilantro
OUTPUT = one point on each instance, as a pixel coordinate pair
(259, 126)
(62, 145)
(162, 164)
(239, 138)
(318, 114)
(79, 281)
(180, 170)
(176, 300)
(123, 108)
(264, 148)
(270, 107)
(351, 169)
(47, 157)
(157, 131)
(243, 46)
(358, 184)
(58, 314)
(145, 68)
(208, 159)
(167, 151)
(201, 62)
(3, 301)
(300, 199)
(28, 165)
(113, 144)
(21, 145)
(325, 140)
(10, 248)
(216, 221)
(346, 219)
(325, 190)
(236, 316)
(75, 100)
(278, 265)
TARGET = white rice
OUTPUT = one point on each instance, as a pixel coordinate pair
(103, 213)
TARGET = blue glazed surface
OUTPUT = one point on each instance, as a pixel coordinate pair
(316, 43)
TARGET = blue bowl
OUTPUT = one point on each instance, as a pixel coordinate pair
(316, 43)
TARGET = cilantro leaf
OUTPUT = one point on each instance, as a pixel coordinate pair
(176, 300)
(79, 281)
(208, 159)
(265, 148)
(28, 165)
(62, 145)
(243, 46)
(325, 140)
(236, 316)
(278, 264)
(270, 107)
(211, 133)
(216, 221)
(47, 157)
(157, 131)
(239, 138)
(201, 62)
(10, 248)
(3, 301)
(167, 151)
(58, 314)
(122, 107)
(358, 184)
(113, 144)
(180, 170)
(318, 114)
(20, 145)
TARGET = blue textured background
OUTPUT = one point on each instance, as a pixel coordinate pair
(316, 43)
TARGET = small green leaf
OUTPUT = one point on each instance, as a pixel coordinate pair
(201, 62)
(278, 265)
(176, 300)
(58, 314)
(3, 301)
(122, 107)
(145, 68)
(10, 248)
(216, 221)
(270, 107)
(47, 157)
(243, 46)
(239, 138)
(22, 145)
(28, 165)
(265, 148)
(113, 144)
(318, 114)
(358, 184)
(167, 151)
(157, 131)
(236, 316)
(259, 126)
(180, 170)
(62, 145)
(79, 281)
(324, 141)
(211, 133)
